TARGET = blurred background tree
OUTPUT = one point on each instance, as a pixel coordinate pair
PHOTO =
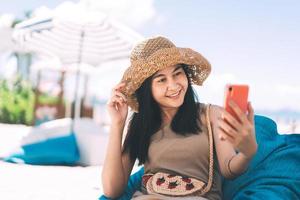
(16, 101)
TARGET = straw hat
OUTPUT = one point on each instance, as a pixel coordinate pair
(157, 53)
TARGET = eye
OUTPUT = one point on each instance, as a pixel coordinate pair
(178, 73)
(161, 80)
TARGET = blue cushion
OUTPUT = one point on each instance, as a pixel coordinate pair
(273, 173)
(134, 184)
(54, 151)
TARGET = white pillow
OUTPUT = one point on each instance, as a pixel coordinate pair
(91, 137)
(47, 130)
(92, 140)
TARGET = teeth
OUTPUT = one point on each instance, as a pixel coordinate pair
(174, 95)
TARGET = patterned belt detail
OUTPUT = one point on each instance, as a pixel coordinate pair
(170, 184)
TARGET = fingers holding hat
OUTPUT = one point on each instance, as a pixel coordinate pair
(117, 96)
(117, 106)
(116, 99)
(120, 96)
(118, 86)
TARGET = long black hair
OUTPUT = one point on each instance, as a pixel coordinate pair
(148, 120)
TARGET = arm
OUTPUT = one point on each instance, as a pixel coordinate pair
(117, 166)
(231, 136)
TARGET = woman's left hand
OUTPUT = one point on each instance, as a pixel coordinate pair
(240, 131)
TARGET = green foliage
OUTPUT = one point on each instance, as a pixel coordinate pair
(47, 99)
(16, 101)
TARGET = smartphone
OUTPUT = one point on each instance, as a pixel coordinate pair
(238, 94)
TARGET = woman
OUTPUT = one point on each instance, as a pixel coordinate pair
(184, 146)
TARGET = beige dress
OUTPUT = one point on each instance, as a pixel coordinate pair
(185, 155)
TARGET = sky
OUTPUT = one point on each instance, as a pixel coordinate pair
(251, 42)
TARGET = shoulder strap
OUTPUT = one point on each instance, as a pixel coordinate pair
(211, 153)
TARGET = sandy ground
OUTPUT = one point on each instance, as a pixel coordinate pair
(27, 182)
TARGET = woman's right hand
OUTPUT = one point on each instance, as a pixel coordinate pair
(117, 106)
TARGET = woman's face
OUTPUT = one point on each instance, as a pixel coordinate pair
(169, 87)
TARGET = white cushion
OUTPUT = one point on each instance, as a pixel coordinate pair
(91, 137)
(92, 141)
(47, 130)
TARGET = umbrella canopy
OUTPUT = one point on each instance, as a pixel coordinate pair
(91, 40)
(5, 39)
(6, 23)
(76, 42)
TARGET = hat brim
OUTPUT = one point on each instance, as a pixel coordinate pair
(141, 69)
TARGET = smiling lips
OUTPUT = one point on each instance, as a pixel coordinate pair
(175, 95)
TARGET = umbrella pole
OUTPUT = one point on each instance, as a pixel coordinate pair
(77, 100)
(76, 110)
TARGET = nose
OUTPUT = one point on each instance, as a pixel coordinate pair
(173, 85)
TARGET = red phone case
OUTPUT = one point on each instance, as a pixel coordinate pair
(237, 93)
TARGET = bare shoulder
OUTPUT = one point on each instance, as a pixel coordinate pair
(215, 112)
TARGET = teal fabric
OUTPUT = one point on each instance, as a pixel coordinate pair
(134, 184)
(54, 151)
(273, 173)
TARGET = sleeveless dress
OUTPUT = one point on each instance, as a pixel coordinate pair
(183, 155)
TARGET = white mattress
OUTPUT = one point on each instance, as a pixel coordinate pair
(10, 137)
(28, 182)
(33, 182)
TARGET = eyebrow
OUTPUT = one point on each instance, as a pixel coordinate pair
(159, 75)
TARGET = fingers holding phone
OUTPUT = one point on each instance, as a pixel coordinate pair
(236, 112)
(237, 120)
(250, 115)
